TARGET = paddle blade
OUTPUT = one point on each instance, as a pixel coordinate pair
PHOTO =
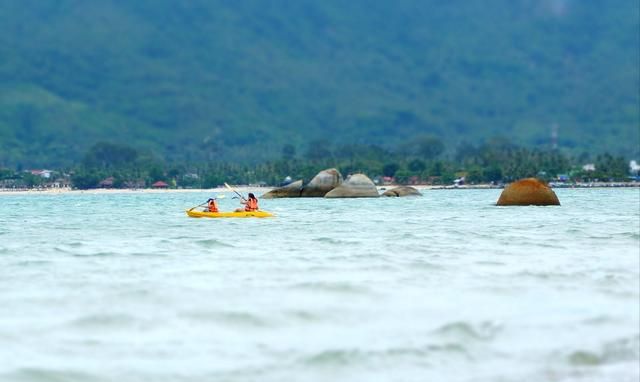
(234, 190)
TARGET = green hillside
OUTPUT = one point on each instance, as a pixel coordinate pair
(237, 80)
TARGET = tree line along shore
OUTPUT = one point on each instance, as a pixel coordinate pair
(118, 166)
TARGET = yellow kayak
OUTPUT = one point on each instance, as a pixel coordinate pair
(242, 214)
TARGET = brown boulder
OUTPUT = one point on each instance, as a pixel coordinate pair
(402, 191)
(356, 186)
(291, 190)
(323, 182)
(527, 192)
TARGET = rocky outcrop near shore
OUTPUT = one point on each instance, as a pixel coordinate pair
(402, 191)
(356, 186)
(322, 183)
(291, 190)
(526, 192)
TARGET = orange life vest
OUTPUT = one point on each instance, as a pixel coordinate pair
(252, 205)
(213, 206)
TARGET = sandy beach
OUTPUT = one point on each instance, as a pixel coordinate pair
(99, 191)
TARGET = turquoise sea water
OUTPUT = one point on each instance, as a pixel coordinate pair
(445, 287)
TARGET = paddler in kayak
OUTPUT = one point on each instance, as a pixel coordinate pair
(251, 204)
(212, 205)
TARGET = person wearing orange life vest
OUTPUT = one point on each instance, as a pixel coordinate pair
(212, 205)
(251, 204)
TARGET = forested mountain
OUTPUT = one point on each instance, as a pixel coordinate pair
(236, 80)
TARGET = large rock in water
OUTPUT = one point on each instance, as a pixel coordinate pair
(402, 191)
(356, 186)
(323, 182)
(527, 192)
(291, 190)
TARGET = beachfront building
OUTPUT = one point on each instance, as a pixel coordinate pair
(160, 185)
(46, 174)
(106, 183)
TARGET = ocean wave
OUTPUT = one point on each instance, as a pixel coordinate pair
(332, 240)
(599, 320)
(74, 251)
(213, 243)
(141, 292)
(551, 275)
(351, 357)
(465, 331)
(231, 318)
(180, 237)
(147, 254)
(632, 235)
(95, 254)
(335, 358)
(62, 249)
(489, 262)
(30, 263)
(43, 374)
(600, 237)
(303, 316)
(621, 350)
(337, 287)
(103, 321)
(422, 264)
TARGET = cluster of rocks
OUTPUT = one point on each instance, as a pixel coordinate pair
(330, 184)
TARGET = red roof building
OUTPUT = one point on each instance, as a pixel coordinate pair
(160, 184)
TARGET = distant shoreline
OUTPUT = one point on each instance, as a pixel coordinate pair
(246, 189)
(552, 185)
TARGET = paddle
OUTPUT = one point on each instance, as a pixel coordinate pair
(199, 205)
(233, 189)
(205, 203)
